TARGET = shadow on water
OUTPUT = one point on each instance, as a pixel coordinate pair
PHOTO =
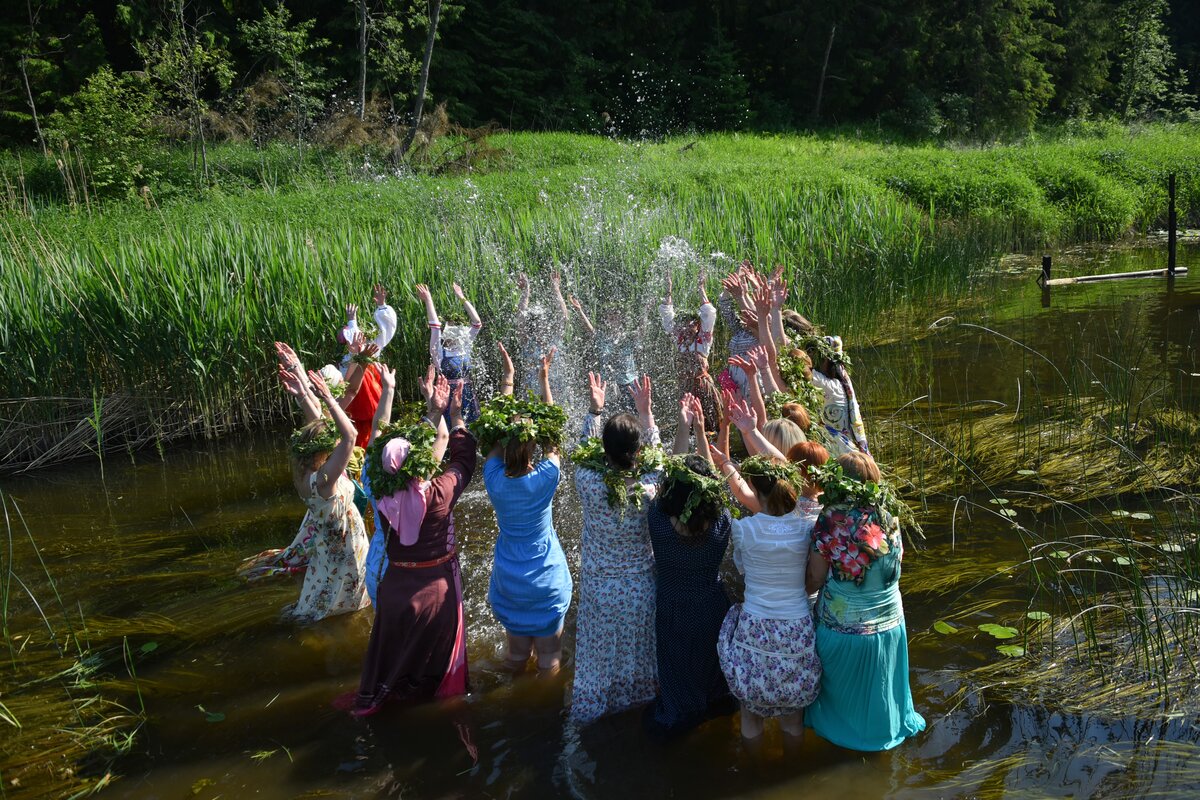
(239, 703)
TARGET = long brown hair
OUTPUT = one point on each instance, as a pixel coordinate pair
(778, 496)
(861, 466)
(303, 465)
(622, 438)
(518, 457)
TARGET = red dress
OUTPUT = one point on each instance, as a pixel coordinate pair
(418, 647)
(361, 410)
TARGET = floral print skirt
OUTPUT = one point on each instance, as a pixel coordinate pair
(771, 665)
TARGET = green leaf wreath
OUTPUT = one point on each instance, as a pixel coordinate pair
(323, 442)
(768, 467)
(419, 464)
(838, 488)
(507, 418)
(705, 490)
(590, 455)
(806, 394)
(824, 348)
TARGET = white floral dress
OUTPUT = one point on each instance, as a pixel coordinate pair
(615, 664)
(331, 551)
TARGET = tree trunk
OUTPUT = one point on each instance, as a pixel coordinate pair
(435, 9)
(824, 66)
(33, 108)
(362, 59)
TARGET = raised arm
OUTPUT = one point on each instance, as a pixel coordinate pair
(697, 414)
(597, 389)
(738, 487)
(779, 293)
(383, 412)
(508, 373)
(701, 284)
(291, 374)
(436, 389)
(666, 310)
(435, 325)
(683, 430)
(583, 317)
(556, 290)
(468, 307)
(754, 394)
(643, 401)
(747, 424)
(385, 317)
(544, 376)
(708, 321)
(523, 285)
(336, 464)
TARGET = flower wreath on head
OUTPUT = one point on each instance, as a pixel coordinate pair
(810, 396)
(827, 347)
(323, 442)
(838, 488)
(507, 418)
(704, 489)
(419, 464)
(590, 455)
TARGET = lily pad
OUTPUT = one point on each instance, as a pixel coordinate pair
(998, 501)
(1027, 472)
(1121, 513)
(1095, 559)
(1171, 547)
(1037, 615)
(1124, 561)
(998, 631)
(944, 627)
(1059, 554)
(1008, 512)
(1142, 515)
(149, 647)
(1011, 650)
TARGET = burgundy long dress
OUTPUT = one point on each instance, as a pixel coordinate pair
(418, 648)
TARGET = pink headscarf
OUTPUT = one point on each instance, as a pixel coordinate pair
(404, 510)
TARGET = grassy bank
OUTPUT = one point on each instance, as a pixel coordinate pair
(177, 300)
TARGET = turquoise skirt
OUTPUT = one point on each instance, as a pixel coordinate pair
(865, 702)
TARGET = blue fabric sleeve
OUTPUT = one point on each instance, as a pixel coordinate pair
(377, 553)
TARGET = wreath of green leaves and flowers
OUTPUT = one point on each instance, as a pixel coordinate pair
(364, 360)
(306, 447)
(767, 467)
(337, 390)
(809, 396)
(507, 418)
(838, 488)
(824, 348)
(590, 455)
(419, 464)
(705, 490)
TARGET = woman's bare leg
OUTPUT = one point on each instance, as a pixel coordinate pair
(549, 654)
(520, 648)
(792, 726)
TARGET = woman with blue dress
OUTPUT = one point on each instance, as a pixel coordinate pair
(531, 585)
(450, 346)
(865, 702)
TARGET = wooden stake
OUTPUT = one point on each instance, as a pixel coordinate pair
(1171, 224)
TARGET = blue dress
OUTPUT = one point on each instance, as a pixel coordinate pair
(531, 586)
(865, 702)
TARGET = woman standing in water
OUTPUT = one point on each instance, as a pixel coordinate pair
(331, 547)
(617, 473)
(418, 647)
(530, 588)
(865, 702)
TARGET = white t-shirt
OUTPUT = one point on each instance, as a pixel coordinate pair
(772, 552)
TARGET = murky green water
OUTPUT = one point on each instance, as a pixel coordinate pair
(149, 553)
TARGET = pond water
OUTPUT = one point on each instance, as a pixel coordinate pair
(238, 703)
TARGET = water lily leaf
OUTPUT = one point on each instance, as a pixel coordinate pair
(1059, 554)
(998, 501)
(1095, 559)
(1008, 512)
(944, 627)
(149, 647)
(1142, 515)
(1037, 615)
(1171, 547)
(1123, 561)
(998, 631)
(1120, 513)
(1027, 472)
(1011, 650)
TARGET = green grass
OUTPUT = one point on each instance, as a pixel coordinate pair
(182, 300)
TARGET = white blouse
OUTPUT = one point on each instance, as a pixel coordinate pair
(772, 552)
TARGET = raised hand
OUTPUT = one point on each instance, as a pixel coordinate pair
(379, 295)
(387, 378)
(351, 311)
(575, 304)
(642, 395)
(426, 384)
(556, 279)
(762, 300)
(597, 388)
(522, 281)
(505, 359)
(455, 409)
(547, 360)
(719, 458)
(439, 397)
(458, 292)
(777, 273)
(696, 409)
(370, 349)
(745, 365)
(357, 344)
(758, 355)
(742, 415)
(779, 293)
(422, 291)
(288, 358)
(686, 415)
(293, 383)
(748, 318)
(319, 386)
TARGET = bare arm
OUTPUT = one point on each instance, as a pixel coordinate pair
(818, 572)
(755, 395)
(702, 448)
(508, 373)
(291, 374)
(468, 307)
(643, 401)
(583, 317)
(683, 429)
(556, 290)
(544, 376)
(523, 285)
(738, 487)
(336, 464)
(766, 370)
(383, 412)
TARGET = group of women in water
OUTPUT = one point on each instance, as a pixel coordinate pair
(769, 456)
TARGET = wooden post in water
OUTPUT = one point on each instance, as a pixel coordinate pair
(1045, 269)
(1171, 223)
